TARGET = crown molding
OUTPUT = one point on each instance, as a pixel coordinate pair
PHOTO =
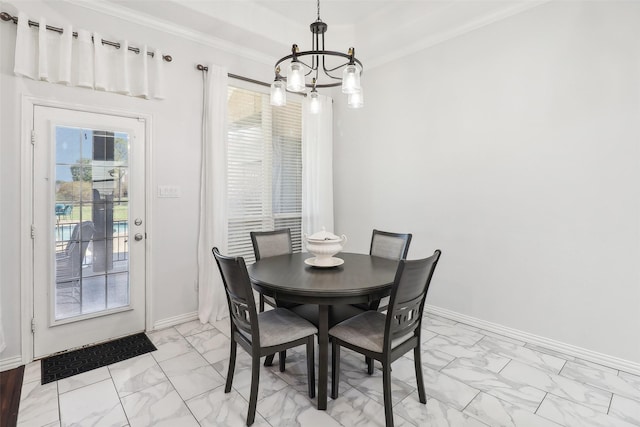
(247, 52)
(453, 33)
(171, 28)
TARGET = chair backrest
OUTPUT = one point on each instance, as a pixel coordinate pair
(271, 243)
(77, 246)
(237, 286)
(390, 245)
(408, 296)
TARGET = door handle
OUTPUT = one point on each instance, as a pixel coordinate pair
(138, 237)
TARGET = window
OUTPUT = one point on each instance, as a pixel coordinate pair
(264, 176)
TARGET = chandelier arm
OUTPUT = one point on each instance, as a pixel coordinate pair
(332, 77)
(327, 71)
(311, 70)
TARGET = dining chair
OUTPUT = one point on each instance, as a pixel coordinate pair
(388, 245)
(392, 246)
(385, 244)
(260, 334)
(387, 337)
(267, 244)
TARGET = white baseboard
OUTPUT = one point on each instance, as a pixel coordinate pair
(10, 363)
(568, 349)
(176, 320)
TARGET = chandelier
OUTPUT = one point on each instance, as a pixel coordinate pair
(317, 68)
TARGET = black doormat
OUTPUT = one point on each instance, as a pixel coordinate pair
(75, 362)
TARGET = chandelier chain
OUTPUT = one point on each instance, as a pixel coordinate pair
(319, 10)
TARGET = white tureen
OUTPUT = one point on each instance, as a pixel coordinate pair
(324, 245)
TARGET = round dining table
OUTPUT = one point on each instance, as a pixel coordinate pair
(360, 279)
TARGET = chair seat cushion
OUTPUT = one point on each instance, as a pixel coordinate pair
(279, 326)
(366, 330)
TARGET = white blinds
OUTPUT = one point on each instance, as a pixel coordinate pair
(264, 178)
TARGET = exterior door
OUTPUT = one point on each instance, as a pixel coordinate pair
(88, 228)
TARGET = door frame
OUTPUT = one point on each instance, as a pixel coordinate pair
(26, 209)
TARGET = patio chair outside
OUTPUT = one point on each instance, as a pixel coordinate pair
(69, 262)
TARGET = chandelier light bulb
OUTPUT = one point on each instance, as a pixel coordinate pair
(295, 77)
(350, 79)
(314, 102)
(355, 99)
(278, 94)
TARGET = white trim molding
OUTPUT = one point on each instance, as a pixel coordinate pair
(10, 363)
(422, 43)
(557, 346)
(175, 320)
(168, 27)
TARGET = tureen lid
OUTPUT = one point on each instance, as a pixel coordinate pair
(323, 235)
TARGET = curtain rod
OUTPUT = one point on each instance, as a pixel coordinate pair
(235, 76)
(8, 17)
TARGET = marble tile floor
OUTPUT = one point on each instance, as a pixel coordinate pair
(472, 377)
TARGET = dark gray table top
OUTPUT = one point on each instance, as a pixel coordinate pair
(360, 278)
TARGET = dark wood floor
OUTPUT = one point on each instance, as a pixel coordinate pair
(10, 387)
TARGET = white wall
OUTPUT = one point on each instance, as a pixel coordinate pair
(516, 150)
(175, 145)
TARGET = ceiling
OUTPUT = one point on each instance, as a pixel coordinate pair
(264, 30)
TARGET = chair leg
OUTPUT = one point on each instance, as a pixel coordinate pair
(369, 365)
(281, 359)
(311, 367)
(419, 378)
(268, 361)
(386, 386)
(335, 369)
(232, 366)
(253, 396)
(261, 303)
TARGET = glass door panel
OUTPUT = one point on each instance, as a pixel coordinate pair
(91, 221)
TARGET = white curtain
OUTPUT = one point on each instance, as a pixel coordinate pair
(317, 167)
(49, 56)
(212, 303)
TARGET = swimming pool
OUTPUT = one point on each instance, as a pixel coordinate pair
(63, 231)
